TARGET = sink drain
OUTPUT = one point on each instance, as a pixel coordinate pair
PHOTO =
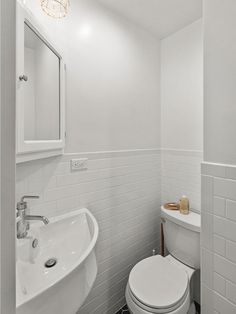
(50, 262)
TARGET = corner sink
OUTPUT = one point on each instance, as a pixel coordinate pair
(56, 264)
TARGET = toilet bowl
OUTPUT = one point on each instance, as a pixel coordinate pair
(137, 308)
(159, 285)
(162, 284)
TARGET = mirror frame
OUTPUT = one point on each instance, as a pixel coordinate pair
(30, 149)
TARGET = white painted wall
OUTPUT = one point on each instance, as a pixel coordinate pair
(181, 175)
(182, 89)
(182, 114)
(113, 82)
(220, 74)
(113, 79)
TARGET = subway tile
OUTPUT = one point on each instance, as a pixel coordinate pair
(219, 284)
(49, 167)
(62, 168)
(105, 306)
(75, 177)
(219, 226)
(225, 268)
(225, 228)
(222, 305)
(225, 188)
(207, 230)
(207, 268)
(48, 209)
(231, 292)
(230, 172)
(231, 210)
(41, 184)
(219, 298)
(207, 194)
(22, 188)
(65, 205)
(56, 194)
(86, 176)
(207, 306)
(204, 168)
(231, 251)
(213, 170)
(123, 193)
(219, 205)
(219, 245)
(101, 294)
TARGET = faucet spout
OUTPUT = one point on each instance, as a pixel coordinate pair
(22, 223)
(44, 219)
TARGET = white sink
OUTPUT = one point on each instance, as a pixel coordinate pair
(70, 239)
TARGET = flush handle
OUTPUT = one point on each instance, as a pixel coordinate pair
(23, 78)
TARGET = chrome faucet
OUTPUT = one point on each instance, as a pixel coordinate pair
(23, 219)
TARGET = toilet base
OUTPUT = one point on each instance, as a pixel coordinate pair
(192, 309)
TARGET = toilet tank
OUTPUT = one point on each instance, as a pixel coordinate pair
(182, 236)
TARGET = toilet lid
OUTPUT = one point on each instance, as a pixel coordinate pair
(158, 283)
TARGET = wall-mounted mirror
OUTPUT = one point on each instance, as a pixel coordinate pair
(40, 92)
(41, 89)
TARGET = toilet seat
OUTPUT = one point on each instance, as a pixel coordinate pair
(157, 285)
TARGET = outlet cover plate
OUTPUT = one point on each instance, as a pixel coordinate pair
(79, 164)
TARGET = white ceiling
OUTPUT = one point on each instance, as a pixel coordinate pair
(161, 17)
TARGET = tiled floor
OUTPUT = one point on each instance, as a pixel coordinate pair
(198, 308)
(125, 310)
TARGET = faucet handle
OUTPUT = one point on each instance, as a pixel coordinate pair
(28, 196)
(23, 204)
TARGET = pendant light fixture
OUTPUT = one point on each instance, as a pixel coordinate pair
(55, 8)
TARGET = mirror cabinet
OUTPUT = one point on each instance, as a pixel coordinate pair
(40, 103)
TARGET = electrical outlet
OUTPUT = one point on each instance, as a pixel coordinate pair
(79, 164)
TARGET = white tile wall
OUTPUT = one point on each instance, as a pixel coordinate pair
(181, 175)
(218, 239)
(123, 191)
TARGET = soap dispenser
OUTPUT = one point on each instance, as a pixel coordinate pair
(184, 205)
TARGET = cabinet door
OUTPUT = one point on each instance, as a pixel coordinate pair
(40, 92)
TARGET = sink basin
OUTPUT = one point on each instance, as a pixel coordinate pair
(56, 264)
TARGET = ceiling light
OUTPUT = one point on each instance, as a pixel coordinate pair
(55, 8)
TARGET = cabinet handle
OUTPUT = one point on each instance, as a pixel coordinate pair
(23, 78)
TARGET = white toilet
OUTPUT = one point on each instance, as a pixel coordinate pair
(162, 284)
